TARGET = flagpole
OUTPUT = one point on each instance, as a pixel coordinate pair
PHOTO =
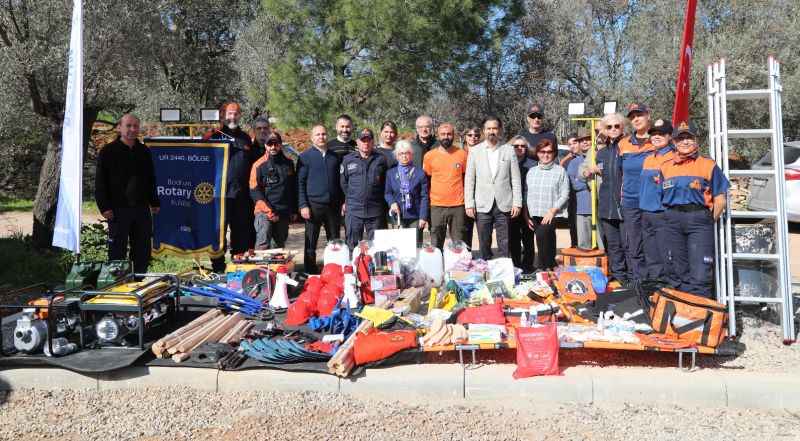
(67, 231)
(680, 111)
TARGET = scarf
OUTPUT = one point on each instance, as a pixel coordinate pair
(547, 166)
(404, 173)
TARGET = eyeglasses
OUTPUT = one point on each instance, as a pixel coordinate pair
(535, 116)
(614, 126)
(545, 152)
(406, 152)
(473, 135)
(520, 146)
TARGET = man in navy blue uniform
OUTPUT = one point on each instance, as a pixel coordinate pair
(362, 178)
(319, 195)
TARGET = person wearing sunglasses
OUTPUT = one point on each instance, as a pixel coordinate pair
(546, 198)
(633, 150)
(609, 209)
(471, 138)
(694, 194)
(650, 195)
(492, 189)
(535, 130)
(273, 187)
(520, 237)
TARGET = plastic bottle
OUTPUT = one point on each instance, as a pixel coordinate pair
(430, 262)
(280, 296)
(523, 320)
(350, 289)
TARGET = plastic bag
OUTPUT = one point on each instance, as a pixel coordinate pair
(537, 351)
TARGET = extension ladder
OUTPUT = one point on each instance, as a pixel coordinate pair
(726, 255)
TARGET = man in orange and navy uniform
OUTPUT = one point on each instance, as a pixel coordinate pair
(694, 194)
(273, 187)
(632, 152)
(650, 205)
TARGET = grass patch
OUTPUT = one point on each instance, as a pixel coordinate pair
(13, 204)
(21, 264)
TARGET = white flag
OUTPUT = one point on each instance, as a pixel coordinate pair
(67, 233)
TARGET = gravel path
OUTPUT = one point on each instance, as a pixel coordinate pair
(179, 414)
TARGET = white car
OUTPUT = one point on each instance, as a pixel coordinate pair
(762, 189)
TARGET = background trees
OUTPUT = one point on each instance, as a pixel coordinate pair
(303, 61)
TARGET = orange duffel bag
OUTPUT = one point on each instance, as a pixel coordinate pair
(583, 257)
(688, 317)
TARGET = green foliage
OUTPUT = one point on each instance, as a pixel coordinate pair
(373, 59)
(13, 204)
(21, 264)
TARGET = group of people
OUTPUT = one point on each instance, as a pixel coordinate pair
(657, 198)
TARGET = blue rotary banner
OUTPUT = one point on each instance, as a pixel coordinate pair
(190, 183)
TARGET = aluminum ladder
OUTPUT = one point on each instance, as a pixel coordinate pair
(726, 256)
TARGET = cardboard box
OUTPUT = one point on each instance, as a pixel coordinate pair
(383, 283)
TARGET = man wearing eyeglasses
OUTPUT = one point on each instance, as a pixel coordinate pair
(492, 189)
(520, 237)
(536, 129)
(424, 141)
(273, 187)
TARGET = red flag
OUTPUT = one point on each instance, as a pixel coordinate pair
(680, 112)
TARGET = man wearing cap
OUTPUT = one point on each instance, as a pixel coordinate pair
(238, 204)
(650, 204)
(319, 195)
(363, 178)
(125, 192)
(273, 187)
(492, 188)
(424, 141)
(446, 165)
(694, 194)
(633, 150)
(343, 144)
(536, 129)
(583, 196)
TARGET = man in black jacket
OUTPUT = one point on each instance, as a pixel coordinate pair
(125, 192)
(424, 141)
(363, 179)
(273, 187)
(238, 204)
(319, 196)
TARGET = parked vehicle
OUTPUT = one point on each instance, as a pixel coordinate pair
(762, 189)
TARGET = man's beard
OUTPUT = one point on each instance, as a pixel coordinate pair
(492, 138)
(231, 124)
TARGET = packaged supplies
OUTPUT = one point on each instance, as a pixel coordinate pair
(689, 317)
(455, 252)
(486, 314)
(599, 280)
(429, 261)
(537, 351)
(502, 269)
(485, 334)
(336, 252)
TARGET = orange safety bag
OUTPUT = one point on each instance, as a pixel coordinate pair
(575, 287)
(583, 257)
(688, 317)
(377, 345)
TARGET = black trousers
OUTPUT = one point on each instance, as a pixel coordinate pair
(327, 216)
(572, 221)
(447, 218)
(545, 243)
(135, 226)
(239, 217)
(357, 226)
(520, 244)
(493, 220)
(613, 234)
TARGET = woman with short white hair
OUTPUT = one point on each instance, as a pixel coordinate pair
(406, 190)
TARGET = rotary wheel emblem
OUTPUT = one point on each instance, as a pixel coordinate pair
(204, 193)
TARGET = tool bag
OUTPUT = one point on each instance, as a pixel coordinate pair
(688, 317)
(583, 257)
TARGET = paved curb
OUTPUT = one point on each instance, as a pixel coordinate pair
(450, 384)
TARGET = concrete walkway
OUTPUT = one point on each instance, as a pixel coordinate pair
(450, 384)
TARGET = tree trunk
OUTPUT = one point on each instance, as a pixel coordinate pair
(46, 202)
